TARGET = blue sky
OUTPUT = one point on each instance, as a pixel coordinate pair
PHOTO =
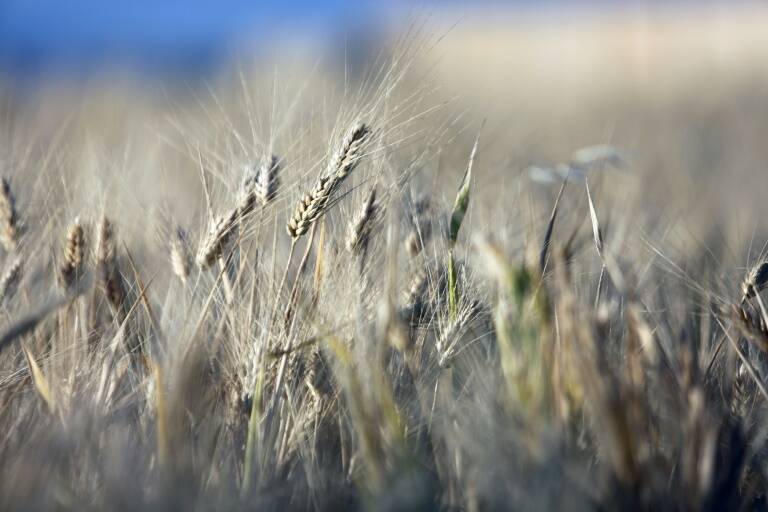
(189, 36)
(78, 35)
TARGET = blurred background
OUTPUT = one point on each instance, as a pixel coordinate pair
(681, 86)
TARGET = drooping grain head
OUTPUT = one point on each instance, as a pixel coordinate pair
(360, 229)
(10, 280)
(73, 266)
(212, 247)
(755, 281)
(180, 258)
(10, 231)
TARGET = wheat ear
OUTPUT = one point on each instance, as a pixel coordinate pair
(106, 265)
(360, 228)
(10, 280)
(74, 256)
(11, 230)
(345, 159)
(217, 238)
(180, 258)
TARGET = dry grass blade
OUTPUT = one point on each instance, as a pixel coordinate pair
(598, 236)
(595, 224)
(38, 378)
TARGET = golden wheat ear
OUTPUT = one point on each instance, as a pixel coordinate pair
(315, 203)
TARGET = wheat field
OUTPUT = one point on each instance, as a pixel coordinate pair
(485, 269)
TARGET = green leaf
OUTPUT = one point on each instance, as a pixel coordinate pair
(461, 204)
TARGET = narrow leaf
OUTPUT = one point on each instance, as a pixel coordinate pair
(544, 256)
(461, 204)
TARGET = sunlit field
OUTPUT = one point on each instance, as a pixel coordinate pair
(509, 262)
